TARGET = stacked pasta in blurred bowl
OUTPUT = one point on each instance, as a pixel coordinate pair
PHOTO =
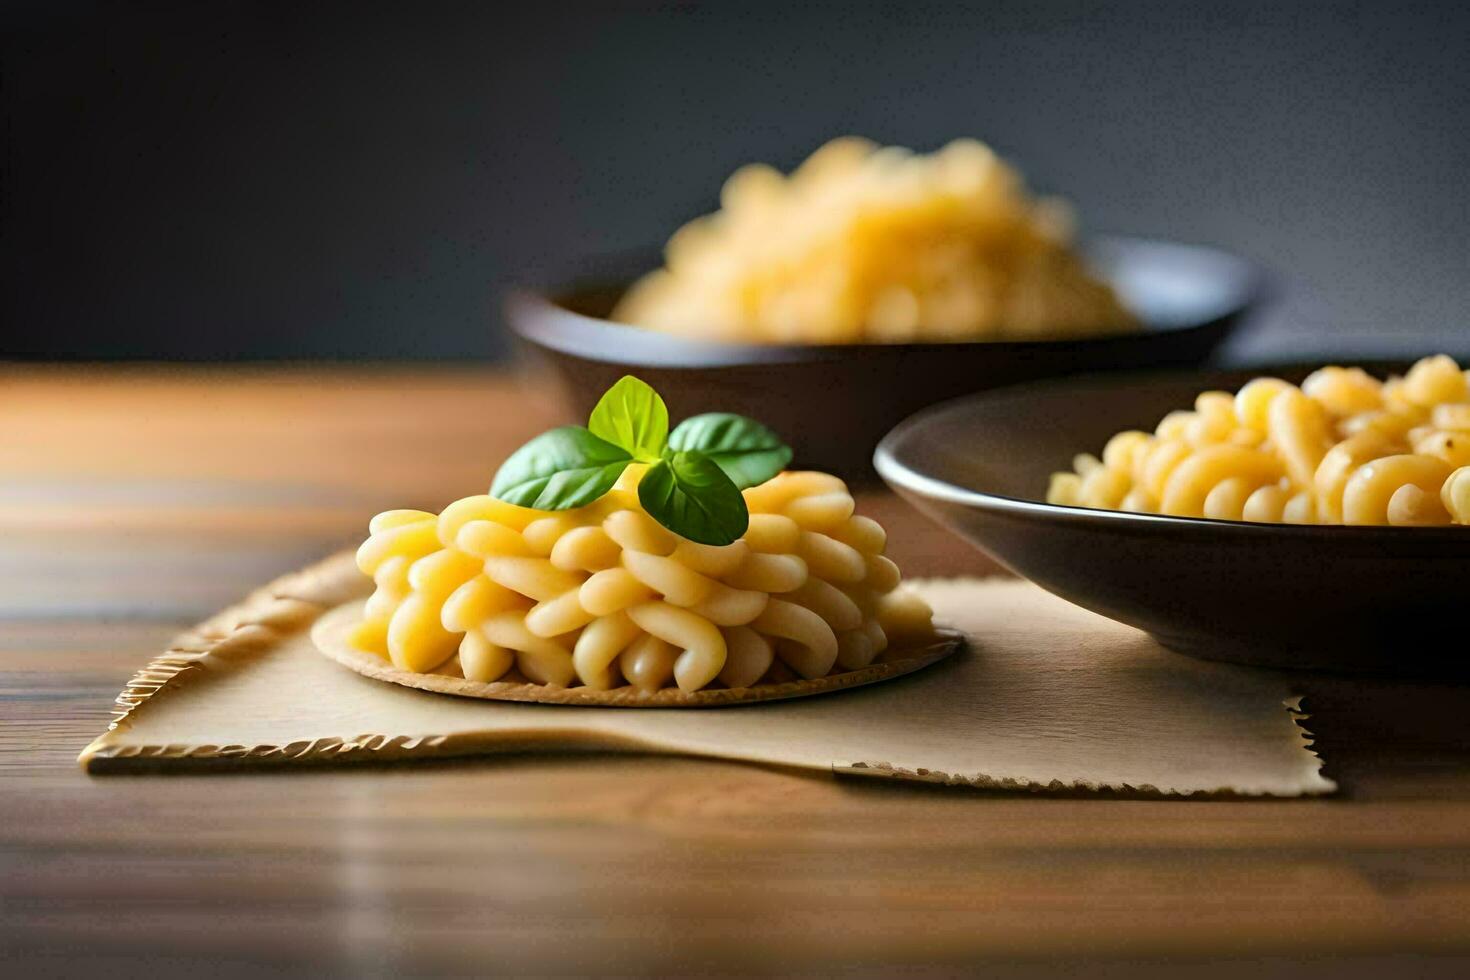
(863, 243)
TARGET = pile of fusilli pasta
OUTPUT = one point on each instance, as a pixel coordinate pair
(603, 595)
(869, 244)
(1344, 448)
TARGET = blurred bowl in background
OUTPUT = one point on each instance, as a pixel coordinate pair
(833, 403)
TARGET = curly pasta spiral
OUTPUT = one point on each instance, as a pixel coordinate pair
(1343, 448)
(606, 596)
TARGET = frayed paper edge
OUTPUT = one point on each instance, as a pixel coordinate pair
(1292, 705)
(282, 607)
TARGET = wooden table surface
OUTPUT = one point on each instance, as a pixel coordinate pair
(135, 501)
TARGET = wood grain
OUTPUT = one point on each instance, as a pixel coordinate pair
(132, 502)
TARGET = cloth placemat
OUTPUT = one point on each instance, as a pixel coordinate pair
(1048, 697)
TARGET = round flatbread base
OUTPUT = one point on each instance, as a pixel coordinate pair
(331, 631)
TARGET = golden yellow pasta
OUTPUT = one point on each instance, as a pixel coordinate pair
(603, 595)
(1343, 448)
(876, 244)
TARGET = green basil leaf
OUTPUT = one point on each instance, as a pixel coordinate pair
(561, 469)
(632, 415)
(747, 451)
(689, 494)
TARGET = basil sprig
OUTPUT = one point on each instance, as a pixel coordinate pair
(695, 473)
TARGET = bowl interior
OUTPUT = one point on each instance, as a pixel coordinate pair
(1008, 443)
(1172, 286)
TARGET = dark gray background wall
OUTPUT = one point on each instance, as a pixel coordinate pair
(239, 180)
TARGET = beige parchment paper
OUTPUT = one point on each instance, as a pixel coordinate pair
(1047, 697)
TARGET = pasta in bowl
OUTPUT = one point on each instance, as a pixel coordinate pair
(1311, 519)
(1343, 448)
(870, 244)
(645, 568)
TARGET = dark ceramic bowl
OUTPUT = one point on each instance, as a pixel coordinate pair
(1381, 599)
(833, 403)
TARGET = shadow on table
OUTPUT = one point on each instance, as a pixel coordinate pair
(1385, 739)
